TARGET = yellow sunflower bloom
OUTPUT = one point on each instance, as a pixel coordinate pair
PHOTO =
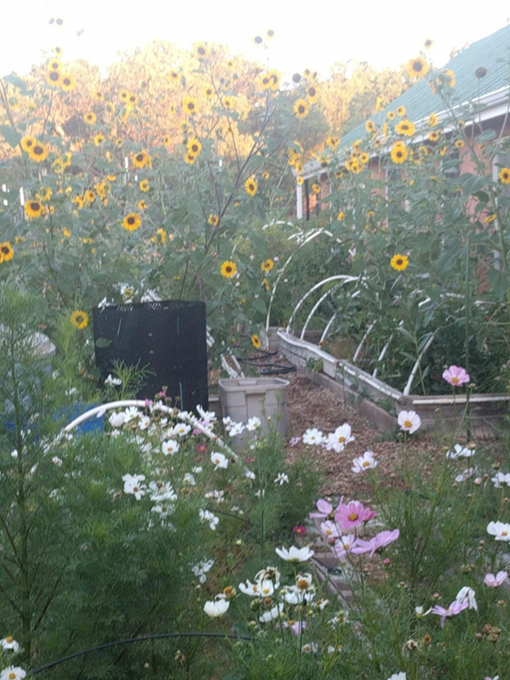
(433, 120)
(301, 108)
(459, 143)
(194, 146)
(144, 185)
(67, 82)
(250, 186)
(390, 115)
(161, 235)
(399, 152)
(417, 68)
(213, 219)
(434, 135)
(79, 319)
(6, 252)
(99, 139)
(54, 65)
(405, 127)
(399, 262)
(208, 92)
(90, 118)
(53, 78)
(401, 110)
(38, 152)
(202, 51)
(190, 158)
(141, 159)
(504, 175)
(267, 265)
(189, 105)
(312, 93)
(228, 269)
(28, 142)
(300, 180)
(44, 194)
(109, 107)
(316, 188)
(132, 221)
(370, 126)
(340, 216)
(142, 205)
(255, 341)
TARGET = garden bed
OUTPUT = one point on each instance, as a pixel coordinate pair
(381, 403)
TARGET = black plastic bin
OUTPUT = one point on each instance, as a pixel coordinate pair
(168, 338)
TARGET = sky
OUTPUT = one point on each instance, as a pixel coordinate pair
(307, 35)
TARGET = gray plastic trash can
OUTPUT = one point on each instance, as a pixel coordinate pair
(244, 398)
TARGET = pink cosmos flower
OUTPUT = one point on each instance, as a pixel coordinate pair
(295, 627)
(298, 529)
(495, 581)
(330, 529)
(351, 515)
(380, 540)
(325, 509)
(456, 376)
(454, 609)
(201, 448)
(294, 441)
(345, 545)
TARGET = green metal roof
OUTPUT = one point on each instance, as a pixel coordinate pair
(492, 53)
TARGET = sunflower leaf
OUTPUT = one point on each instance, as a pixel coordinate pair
(11, 136)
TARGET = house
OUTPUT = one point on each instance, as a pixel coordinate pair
(480, 76)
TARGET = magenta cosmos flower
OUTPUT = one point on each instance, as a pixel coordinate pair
(456, 376)
(325, 509)
(351, 515)
(454, 609)
(380, 540)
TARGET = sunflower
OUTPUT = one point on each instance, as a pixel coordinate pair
(79, 319)
(490, 218)
(213, 219)
(340, 216)
(266, 175)
(208, 92)
(265, 81)
(6, 252)
(44, 194)
(144, 185)
(399, 262)
(98, 96)
(255, 341)
(428, 43)
(124, 95)
(202, 51)
(405, 127)
(434, 135)
(417, 68)
(194, 146)
(99, 139)
(250, 186)
(316, 188)
(141, 159)
(190, 158)
(301, 108)
(450, 75)
(142, 205)
(167, 140)
(390, 115)
(364, 157)
(28, 142)
(132, 99)
(333, 142)
(109, 107)
(132, 221)
(54, 65)
(370, 126)
(189, 104)
(38, 152)
(228, 269)
(228, 102)
(433, 120)
(53, 78)
(504, 175)
(173, 75)
(459, 143)
(67, 82)
(267, 265)
(312, 93)
(399, 152)
(401, 110)
(90, 118)
(300, 180)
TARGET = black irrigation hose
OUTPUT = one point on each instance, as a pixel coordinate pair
(155, 636)
(268, 368)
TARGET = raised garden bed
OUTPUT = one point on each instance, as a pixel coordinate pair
(381, 403)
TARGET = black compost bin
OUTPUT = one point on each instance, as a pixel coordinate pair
(168, 338)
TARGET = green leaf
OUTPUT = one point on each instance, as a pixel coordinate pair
(10, 134)
(15, 81)
(486, 136)
(499, 282)
(103, 342)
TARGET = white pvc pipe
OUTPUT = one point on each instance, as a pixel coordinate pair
(314, 309)
(360, 346)
(337, 277)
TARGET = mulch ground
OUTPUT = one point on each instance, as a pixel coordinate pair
(310, 405)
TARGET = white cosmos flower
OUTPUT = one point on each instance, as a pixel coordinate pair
(227, 421)
(13, 673)
(338, 439)
(219, 460)
(130, 414)
(209, 416)
(420, 612)
(144, 422)
(253, 423)
(181, 429)
(170, 447)
(467, 474)
(10, 643)
(249, 588)
(110, 380)
(499, 530)
(116, 419)
(281, 477)
(57, 461)
(313, 436)
(467, 594)
(409, 421)
(460, 451)
(330, 529)
(398, 676)
(189, 479)
(364, 462)
(133, 485)
(249, 474)
(162, 491)
(294, 554)
(272, 614)
(235, 429)
(310, 647)
(501, 479)
(208, 518)
(216, 608)
(200, 569)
